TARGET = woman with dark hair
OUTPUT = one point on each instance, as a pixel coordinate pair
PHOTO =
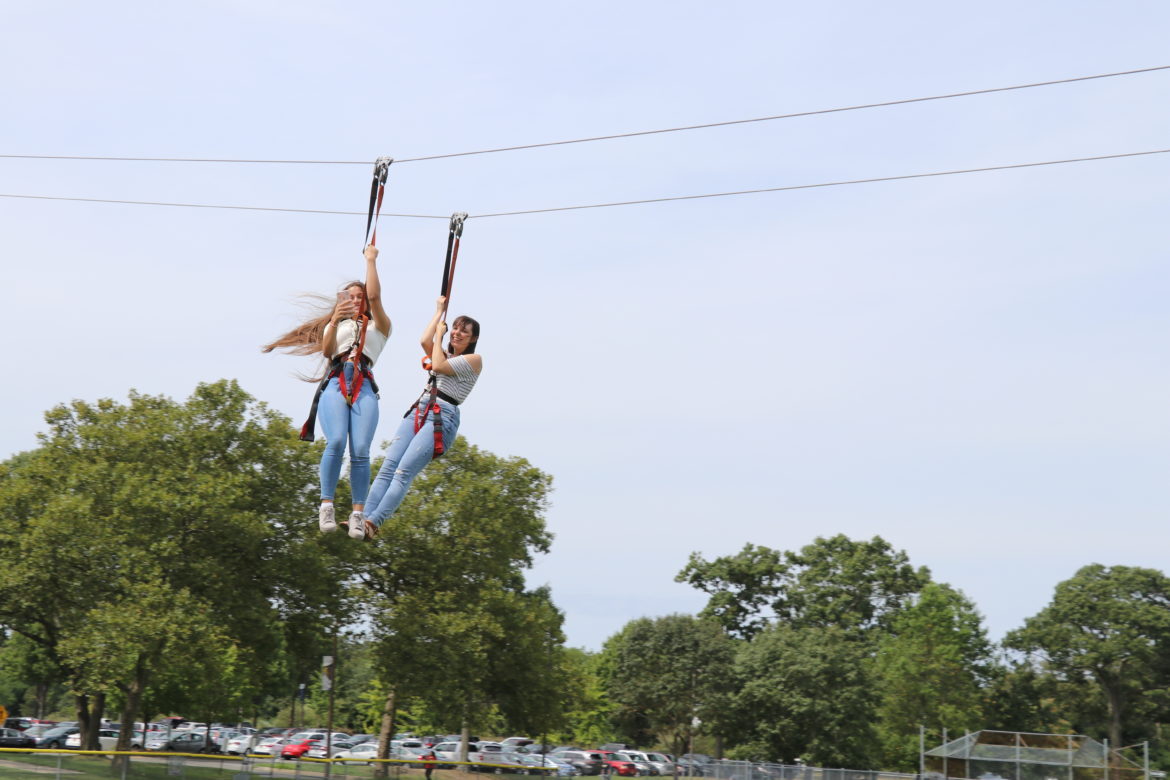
(349, 335)
(454, 371)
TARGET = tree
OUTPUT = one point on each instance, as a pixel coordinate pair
(666, 672)
(857, 586)
(1110, 626)
(25, 667)
(453, 623)
(742, 587)
(590, 711)
(141, 533)
(931, 669)
(804, 693)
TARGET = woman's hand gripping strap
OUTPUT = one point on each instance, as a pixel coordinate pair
(454, 234)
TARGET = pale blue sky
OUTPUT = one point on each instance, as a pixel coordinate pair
(973, 367)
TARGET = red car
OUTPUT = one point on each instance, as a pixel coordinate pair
(298, 749)
(618, 766)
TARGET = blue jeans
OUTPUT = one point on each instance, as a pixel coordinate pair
(342, 422)
(406, 456)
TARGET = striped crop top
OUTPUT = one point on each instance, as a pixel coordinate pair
(458, 386)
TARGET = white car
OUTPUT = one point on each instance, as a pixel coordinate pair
(107, 740)
(265, 746)
(240, 745)
(364, 753)
(336, 747)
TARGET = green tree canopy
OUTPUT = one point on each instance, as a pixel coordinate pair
(931, 669)
(141, 535)
(835, 581)
(664, 673)
(1110, 625)
(454, 624)
(804, 693)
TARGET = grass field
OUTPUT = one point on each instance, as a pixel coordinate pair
(29, 766)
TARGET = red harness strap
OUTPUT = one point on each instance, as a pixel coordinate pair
(436, 414)
(355, 357)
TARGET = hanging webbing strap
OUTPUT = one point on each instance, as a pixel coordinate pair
(355, 357)
(454, 234)
(361, 370)
(377, 190)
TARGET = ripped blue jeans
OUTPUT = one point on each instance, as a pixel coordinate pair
(406, 456)
(343, 423)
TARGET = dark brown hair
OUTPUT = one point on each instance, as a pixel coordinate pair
(462, 318)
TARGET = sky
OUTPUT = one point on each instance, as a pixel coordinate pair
(973, 367)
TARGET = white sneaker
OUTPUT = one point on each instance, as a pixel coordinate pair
(357, 525)
(360, 527)
(325, 520)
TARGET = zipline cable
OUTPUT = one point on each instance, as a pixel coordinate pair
(842, 183)
(821, 184)
(613, 136)
(218, 206)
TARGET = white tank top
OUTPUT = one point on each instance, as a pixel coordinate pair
(347, 333)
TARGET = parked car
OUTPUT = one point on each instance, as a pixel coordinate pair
(662, 762)
(414, 755)
(183, 742)
(617, 764)
(37, 730)
(265, 745)
(107, 740)
(559, 768)
(448, 752)
(296, 749)
(645, 765)
(54, 738)
(318, 750)
(586, 762)
(538, 764)
(494, 760)
(695, 763)
(15, 738)
(365, 753)
(241, 744)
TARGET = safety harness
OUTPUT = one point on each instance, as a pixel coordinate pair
(361, 364)
(432, 392)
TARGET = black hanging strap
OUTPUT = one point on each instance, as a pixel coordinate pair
(432, 392)
(377, 190)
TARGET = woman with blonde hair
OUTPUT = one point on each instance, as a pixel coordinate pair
(346, 397)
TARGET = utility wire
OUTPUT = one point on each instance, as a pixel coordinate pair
(215, 206)
(624, 202)
(613, 136)
(821, 184)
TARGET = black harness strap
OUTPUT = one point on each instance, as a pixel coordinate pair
(361, 363)
(454, 234)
